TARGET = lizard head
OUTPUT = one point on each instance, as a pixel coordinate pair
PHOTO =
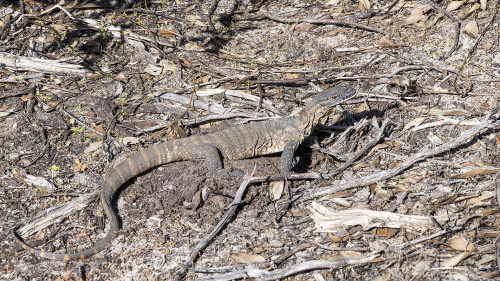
(323, 104)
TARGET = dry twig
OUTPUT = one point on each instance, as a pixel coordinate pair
(181, 271)
(361, 152)
(322, 21)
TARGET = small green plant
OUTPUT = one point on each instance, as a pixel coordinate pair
(55, 168)
(42, 97)
(77, 130)
(104, 31)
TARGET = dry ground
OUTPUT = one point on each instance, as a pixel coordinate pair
(90, 86)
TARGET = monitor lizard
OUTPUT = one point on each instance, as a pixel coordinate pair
(239, 142)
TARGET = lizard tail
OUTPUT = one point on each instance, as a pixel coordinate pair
(140, 162)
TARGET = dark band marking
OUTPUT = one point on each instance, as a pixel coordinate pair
(158, 154)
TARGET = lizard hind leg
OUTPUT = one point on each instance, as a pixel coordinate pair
(213, 161)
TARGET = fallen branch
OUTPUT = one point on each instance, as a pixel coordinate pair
(328, 220)
(56, 214)
(19, 63)
(424, 153)
(445, 121)
(322, 21)
(181, 271)
(296, 268)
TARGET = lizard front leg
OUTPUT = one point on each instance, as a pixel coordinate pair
(287, 155)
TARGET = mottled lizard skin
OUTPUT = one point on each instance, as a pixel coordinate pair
(239, 142)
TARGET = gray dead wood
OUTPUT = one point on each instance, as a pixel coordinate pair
(56, 214)
(279, 274)
(19, 63)
(329, 220)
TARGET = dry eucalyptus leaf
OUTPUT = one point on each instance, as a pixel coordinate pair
(306, 26)
(276, 190)
(196, 20)
(341, 202)
(460, 244)
(471, 29)
(93, 147)
(455, 259)
(349, 254)
(120, 76)
(386, 41)
(474, 8)
(153, 70)
(483, 4)
(415, 18)
(167, 33)
(130, 140)
(39, 235)
(79, 166)
(188, 9)
(481, 200)
(364, 5)
(243, 258)
(415, 122)
(384, 277)
(466, 14)
(476, 172)
(205, 78)
(168, 65)
(191, 46)
(334, 239)
(59, 27)
(417, 15)
(205, 126)
(454, 5)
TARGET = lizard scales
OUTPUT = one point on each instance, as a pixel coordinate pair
(239, 142)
